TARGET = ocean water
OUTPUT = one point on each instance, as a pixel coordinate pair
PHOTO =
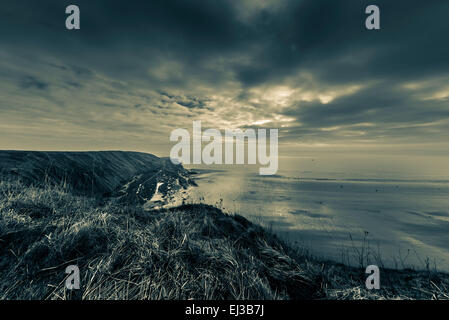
(394, 219)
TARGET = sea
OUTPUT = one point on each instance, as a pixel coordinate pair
(383, 210)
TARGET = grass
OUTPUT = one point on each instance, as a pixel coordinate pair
(190, 252)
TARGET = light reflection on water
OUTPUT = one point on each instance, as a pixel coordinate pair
(404, 221)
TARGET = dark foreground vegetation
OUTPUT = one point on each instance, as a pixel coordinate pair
(189, 252)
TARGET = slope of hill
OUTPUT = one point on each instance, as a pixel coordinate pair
(130, 176)
(188, 252)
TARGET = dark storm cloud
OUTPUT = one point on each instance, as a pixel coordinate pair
(192, 104)
(329, 39)
(185, 101)
(225, 59)
(74, 84)
(272, 44)
(395, 104)
(126, 38)
(376, 112)
(29, 82)
(313, 35)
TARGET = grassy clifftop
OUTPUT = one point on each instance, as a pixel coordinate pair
(189, 252)
(129, 176)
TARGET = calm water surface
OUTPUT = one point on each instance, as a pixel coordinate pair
(403, 221)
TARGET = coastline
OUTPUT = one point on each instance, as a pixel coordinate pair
(193, 251)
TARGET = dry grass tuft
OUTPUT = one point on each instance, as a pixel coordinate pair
(190, 252)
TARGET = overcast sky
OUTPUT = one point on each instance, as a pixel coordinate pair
(138, 69)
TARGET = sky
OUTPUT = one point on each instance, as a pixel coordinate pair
(136, 70)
